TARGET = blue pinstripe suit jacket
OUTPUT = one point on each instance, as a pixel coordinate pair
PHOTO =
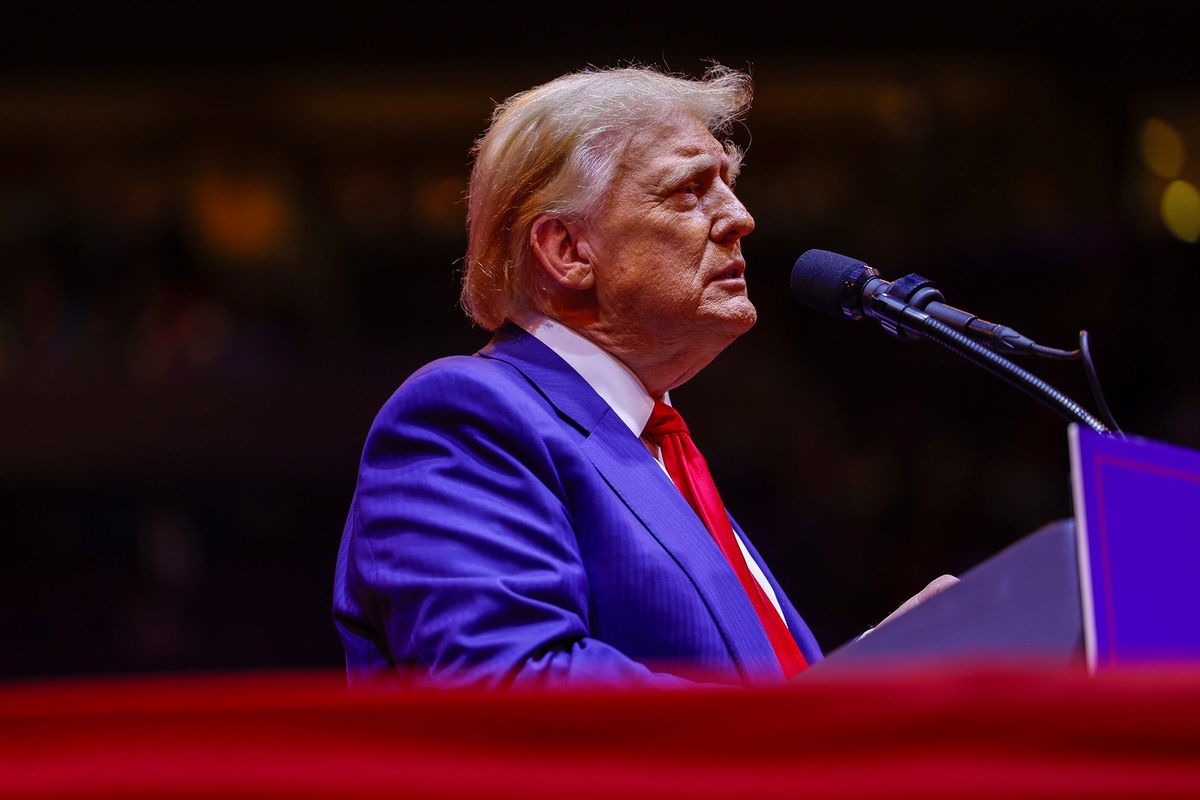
(508, 529)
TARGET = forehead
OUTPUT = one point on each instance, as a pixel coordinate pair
(669, 144)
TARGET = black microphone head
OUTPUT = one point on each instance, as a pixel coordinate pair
(821, 280)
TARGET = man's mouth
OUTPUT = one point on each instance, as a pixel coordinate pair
(736, 270)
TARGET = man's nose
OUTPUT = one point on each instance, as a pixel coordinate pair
(733, 221)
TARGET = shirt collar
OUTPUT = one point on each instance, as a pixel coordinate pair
(605, 373)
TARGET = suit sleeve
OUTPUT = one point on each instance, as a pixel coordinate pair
(463, 553)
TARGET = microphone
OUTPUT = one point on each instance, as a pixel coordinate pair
(841, 285)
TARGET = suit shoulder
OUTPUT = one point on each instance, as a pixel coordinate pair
(462, 403)
(462, 383)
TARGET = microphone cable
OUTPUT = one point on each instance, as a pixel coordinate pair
(1084, 355)
(1012, 374)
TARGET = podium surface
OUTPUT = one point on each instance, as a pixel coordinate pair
(1020, 605)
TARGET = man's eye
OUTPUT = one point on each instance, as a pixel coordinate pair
(691, 188)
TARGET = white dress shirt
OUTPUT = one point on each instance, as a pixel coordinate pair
(625, 395)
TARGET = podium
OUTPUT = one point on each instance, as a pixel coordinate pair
(1116, 585)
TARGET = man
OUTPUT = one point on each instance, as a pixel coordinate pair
(537, 514)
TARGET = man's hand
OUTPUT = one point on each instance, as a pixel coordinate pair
(936, 586)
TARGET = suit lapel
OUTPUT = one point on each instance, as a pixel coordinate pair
(549, 374)
(633, 475)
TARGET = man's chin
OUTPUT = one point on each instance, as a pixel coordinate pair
(736, 318)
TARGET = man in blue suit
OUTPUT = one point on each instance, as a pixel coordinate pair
(516, 522)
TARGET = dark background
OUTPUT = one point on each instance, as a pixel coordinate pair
(228, 231)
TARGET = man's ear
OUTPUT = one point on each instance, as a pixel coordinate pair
(559, 252)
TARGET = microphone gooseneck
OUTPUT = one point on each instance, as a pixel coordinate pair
(1011, 373)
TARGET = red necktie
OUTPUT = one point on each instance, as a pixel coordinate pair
(689, 471)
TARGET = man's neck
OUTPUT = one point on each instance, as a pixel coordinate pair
(660, 365)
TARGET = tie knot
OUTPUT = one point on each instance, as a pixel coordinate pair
(664, 420)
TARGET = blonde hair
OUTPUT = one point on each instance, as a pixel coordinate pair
(554, 150)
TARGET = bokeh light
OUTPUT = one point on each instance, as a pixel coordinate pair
(440, 203)
(1163, 150)
(1181, 210)
(245, 218)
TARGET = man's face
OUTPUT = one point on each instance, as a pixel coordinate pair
(667, 244)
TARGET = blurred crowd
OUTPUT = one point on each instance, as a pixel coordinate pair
(207, 290)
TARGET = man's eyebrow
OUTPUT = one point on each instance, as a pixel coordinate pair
(692, 166)
(735, 166)
(735, 155)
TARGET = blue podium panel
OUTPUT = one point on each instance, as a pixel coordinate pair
(1137, 512)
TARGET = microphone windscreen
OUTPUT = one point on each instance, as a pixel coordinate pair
(819, 279)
